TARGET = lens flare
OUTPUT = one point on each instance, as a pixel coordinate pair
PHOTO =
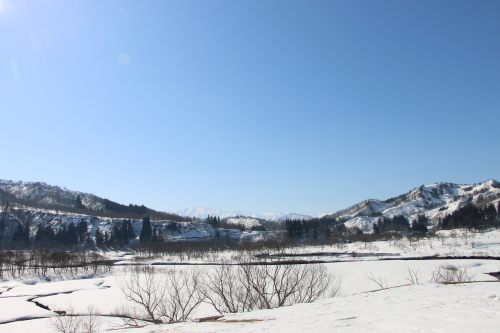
(15, 70)
(2, 7)
(124, 59)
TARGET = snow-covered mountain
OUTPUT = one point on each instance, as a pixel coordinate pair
(40, 195)
(44, 194)
(202, 212)
(434, 201)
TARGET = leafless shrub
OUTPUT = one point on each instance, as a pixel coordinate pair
(159, 295)
(91, 321)
(430, 240)
(37, 263)
(71, 322)
(467, 235)
(315, 282)
(183, 294)
(66, 323)
(237, 288)
(451, 274)
(414, 276)
(131, 315)
(442, 238)
(381, 282)
(225, 289)
(144, 288)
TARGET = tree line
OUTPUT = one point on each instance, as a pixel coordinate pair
(472, 217)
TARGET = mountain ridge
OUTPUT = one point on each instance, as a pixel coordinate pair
(41, 195)
(434, 200)
(202, 212)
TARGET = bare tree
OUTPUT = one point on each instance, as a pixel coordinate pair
(225, 289)
(467, 235)
(183, 294)
(144, 288)
(70, 322)
(315, 284)
(158, 295)
(414, 276)
(91, 321)
(381, 282)
(251, 286)
(451, 274)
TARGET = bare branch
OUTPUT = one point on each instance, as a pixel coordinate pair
(382, 283)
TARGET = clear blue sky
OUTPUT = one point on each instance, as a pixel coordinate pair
(293, 106)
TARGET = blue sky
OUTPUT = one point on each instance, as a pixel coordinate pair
(293, 106)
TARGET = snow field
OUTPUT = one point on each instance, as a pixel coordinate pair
(403, 306)
(416, 308)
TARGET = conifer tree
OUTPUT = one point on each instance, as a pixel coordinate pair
(127, 230)
(79, 203)
(99, 239)
(81, 230)
(146, 231)
(21, 234)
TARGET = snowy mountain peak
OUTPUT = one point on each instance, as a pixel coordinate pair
(202, 213)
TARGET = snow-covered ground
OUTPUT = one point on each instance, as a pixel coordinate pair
(360, 306)
(416, 308)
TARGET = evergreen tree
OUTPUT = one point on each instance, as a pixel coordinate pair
(79, 203)
(81, 230)
(294, 228)
(39, 234)
(99, 239)
(146, 231)
(2, 224)
(127, 230)
(117, 236)
(491, 214)
(106, 237)
(71, 235)
(328, 232)
(21, 234)
(470, 216)
(157, 236)
(60, 234)
(420, 224)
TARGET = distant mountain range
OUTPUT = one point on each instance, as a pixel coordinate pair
(434, 201)
(203, 212)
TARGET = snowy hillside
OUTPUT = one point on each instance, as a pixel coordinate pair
(171, 230)
(41, 196)
(45, 194)
(434, 201)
